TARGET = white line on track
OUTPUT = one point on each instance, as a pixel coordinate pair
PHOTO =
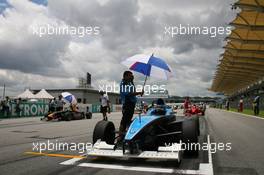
(137, 168)
(210, 159)
(207, 168)
(72, 161)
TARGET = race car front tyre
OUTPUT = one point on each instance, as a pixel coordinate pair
(190, 137)
(105, 131)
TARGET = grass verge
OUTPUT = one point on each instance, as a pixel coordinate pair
(248, 112)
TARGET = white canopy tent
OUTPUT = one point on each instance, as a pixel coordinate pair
(27, 94)
(43, 94)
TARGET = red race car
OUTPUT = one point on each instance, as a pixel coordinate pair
(195, 110)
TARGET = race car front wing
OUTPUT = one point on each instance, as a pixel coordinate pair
(102, 149)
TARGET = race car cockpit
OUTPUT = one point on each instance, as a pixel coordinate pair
(159, 108)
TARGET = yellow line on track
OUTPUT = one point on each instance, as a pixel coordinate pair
(55, 155)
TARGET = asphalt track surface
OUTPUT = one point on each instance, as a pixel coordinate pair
(245, 135)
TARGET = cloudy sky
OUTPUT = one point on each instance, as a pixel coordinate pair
(127, 27)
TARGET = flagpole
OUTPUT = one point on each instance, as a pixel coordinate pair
(144, 84)
(145, 81)
(146, 76)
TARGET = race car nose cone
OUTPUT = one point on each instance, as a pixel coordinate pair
(137, 126)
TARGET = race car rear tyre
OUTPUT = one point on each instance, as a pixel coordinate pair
(190, 137)
(197, 121)
(104, 130)
(68, 116)
(82, 115)
(198, 125)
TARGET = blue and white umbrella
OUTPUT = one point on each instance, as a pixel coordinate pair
(150, 66)
(69, 97)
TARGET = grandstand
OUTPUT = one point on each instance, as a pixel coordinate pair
(240, 72)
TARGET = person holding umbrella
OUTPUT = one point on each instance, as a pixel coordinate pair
(148, 65)
(128, 98)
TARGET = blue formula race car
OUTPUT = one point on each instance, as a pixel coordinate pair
(157, 134)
